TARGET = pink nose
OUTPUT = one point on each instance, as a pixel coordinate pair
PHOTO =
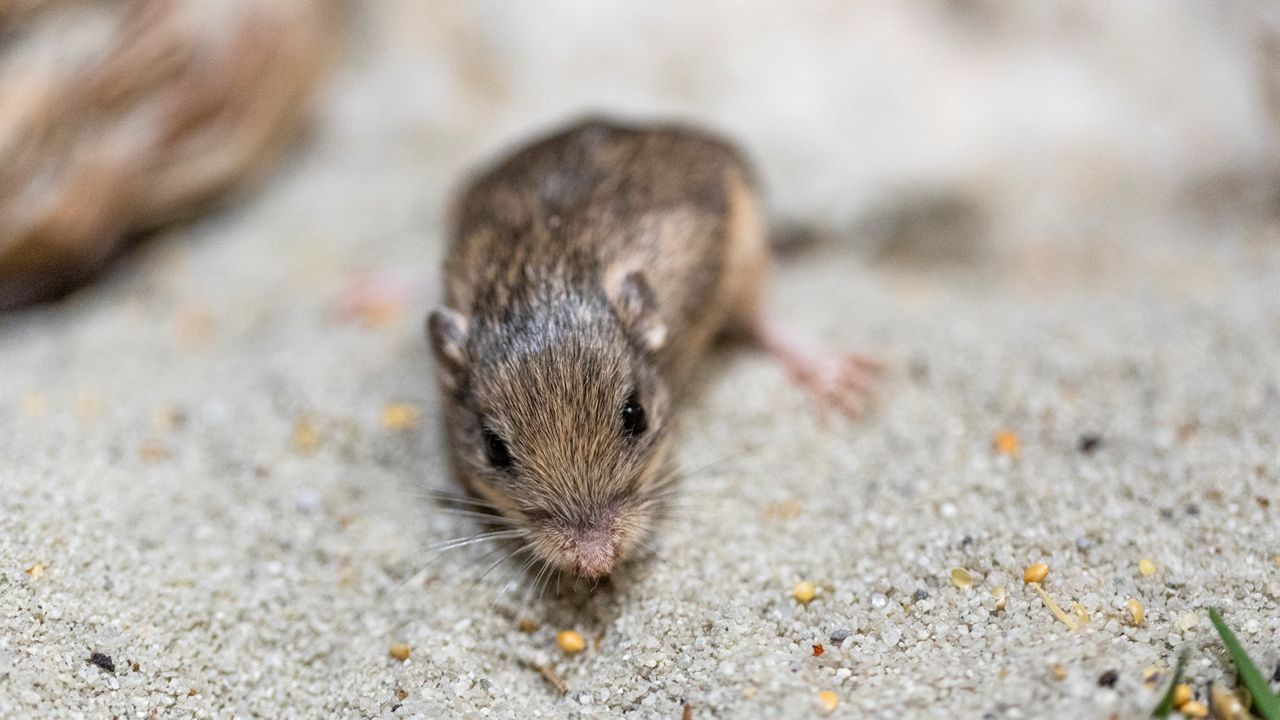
(594, 550)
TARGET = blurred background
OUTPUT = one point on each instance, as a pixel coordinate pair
(920, 129)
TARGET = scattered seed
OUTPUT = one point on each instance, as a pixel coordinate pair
(1035, 573)
(570, 642)
(1151, 676)
(1146, 567)
(1082, 614)
(961, 578)
(1136, 611)
(1006, 443)
(36, 570)
(1108, 678)
(1194, 709)
(1182, 695)
(1188, 620)
(399, 651)
(400, 416)
(1053, 607)
(804, 592)
(1001, 595)
(1090, 442)
(687, 713)
(1226, 705)
(1058, 672)
(829, 700)
(305, 440)
(103, 661)
(401, 693)
(527, 625)
(818, 650)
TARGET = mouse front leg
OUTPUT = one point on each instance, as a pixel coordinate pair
(842, 380)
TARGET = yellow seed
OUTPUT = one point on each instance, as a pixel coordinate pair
(1006, 443)
(36, 570)
(1150, 676)
(399, 651)
(961, 578)
(1001, 595)
(1146, 567)
(1181, 695)
(570, 642)
(1081, 612)
(829, 700)
(1194, 709)
(1226, 704)
(305, 439)
(804, 591)
(1136, 611)
(527, 625)
(1058, 672)
(1035, 572)
(1064, 618)
(400, 416)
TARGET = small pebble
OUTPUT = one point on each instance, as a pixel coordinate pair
(830, 701)
(804, 591)
(399, 651)
(570, 642)
(103, 661)
(1090, 442)
(961, 578)
(1188, 620)
(818, 650)
(921, 594)
(1193, 509)
(1146, 567)
(1035, 572)
(838, 636)
(1083, 543)
(1108, 678)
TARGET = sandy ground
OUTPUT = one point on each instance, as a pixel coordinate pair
(198, 482)
(197, 479)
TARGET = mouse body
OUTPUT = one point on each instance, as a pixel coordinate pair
(586, 276)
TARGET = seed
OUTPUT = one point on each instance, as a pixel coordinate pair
(1150, 676)
(1058, 672)
(1006, 443)
(36, 570)
(961, 578)
(527, 625)
(1001, 595)
(1181, 695)
(1136, 611)
(1035, 572)
(570, 642)
(829, 700)
(804, 591)
(1194, 709)
(1146, 567)
(305, 439)
(399, 651)
(1226, 705)
(400, 416)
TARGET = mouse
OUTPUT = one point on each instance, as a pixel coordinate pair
(585, 277)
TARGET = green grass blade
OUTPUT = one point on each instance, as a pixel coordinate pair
(1166, 703)
(1265, 702)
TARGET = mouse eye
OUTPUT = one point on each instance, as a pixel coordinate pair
(495, 449)
(634, 421)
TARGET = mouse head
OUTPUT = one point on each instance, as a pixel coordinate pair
(557, 417)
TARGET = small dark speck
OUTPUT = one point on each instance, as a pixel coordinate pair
(1275, 676)
(1193, 509)
(966, 541)
(396, 707)
(922, 594)
(1089, 443)
(918, 369)
(1108, 678)
(838, 636)
(1166, 513)
(103, 661)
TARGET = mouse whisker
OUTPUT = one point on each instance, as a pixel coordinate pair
(490, 536)
(481, 516)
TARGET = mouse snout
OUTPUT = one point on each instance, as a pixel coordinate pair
(592, 547)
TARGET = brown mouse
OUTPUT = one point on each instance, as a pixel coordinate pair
(587, 274)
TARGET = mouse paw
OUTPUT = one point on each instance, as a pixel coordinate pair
(843, 381)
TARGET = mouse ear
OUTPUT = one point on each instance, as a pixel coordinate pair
(447, 335)
(637, 307)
